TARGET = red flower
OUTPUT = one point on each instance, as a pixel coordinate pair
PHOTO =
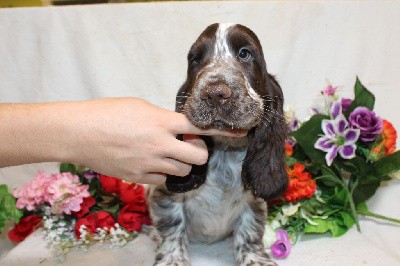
(24, 228)
(99, 219)
(90, 223)
(110, 184)
(131, 192)
(85, 206)
(105, 220)
(301, 185)
(133, 216)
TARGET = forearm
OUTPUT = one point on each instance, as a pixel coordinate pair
(124, 137)
(32, 133)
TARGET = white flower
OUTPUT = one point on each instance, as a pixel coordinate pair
(48, 223)
(289, 111)
(307, 216)
(290, 209)
(269, 236)
(275, 224)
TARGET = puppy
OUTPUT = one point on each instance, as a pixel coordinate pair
(227, 87)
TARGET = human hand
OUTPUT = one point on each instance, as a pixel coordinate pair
(136, 141)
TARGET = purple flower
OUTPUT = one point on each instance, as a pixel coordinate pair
(294, 124)
(90, 175)
(282, 247)
(338, 138)
(346, 103)
(367, 121)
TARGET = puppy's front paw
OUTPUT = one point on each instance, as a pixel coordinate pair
(255, 259)
(168, 260)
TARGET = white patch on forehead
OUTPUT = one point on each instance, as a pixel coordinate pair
(221, 48)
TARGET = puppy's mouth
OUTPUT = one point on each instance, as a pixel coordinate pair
(206, 120)
(219, 124)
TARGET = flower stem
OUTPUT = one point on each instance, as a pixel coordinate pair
(378, 216)
(353, 208)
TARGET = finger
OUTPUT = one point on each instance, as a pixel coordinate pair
(182, 125)
(173, 167)
(195, 140)
(190, 153)
(152, 178)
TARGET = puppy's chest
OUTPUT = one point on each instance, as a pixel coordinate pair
(212, 210)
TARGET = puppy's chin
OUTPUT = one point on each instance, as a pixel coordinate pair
(216, 122)
(224, 142)
(230, 143)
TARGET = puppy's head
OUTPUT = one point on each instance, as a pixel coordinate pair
(225, 82)
(228, 87)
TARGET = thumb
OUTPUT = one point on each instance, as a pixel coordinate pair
(182, 125)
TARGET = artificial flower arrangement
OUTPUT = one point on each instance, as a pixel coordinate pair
(335, 162)
(76, 208)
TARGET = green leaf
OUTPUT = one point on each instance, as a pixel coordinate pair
(369, 182)
(321, 227)
(357, 166)
(8, 210)
(107, 201)
(347, 218)
(387, 165)
(362, 206)
(332, 225)
(336, 229)
(362, 97)
(298, 153)
(290, 161)
(68, 168)
(308, 134)
(95, 188)
(329, 180)
(363, 192)
(113, 210)
(341, 197)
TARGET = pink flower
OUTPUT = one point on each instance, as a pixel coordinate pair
(329, 90)
(282, 247)
(32, 193)
(65, 193)
(61, 185)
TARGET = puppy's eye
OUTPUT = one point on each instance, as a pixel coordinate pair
(244, 54)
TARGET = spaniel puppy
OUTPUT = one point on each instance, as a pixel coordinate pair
(227, 87)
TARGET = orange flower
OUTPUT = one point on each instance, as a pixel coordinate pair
(388, 144)
(301, 185)
(288, 149)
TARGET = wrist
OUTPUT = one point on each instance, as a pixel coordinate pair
(36, 132)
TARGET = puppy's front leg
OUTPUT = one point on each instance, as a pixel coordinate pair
(169, 221)
(247, 238)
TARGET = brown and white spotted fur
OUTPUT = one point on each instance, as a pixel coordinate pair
(227, 86)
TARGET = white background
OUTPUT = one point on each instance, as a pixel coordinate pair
(83, 52)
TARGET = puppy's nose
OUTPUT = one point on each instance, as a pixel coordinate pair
(216, 94)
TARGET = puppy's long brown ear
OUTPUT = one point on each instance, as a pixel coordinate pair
(263, 169)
